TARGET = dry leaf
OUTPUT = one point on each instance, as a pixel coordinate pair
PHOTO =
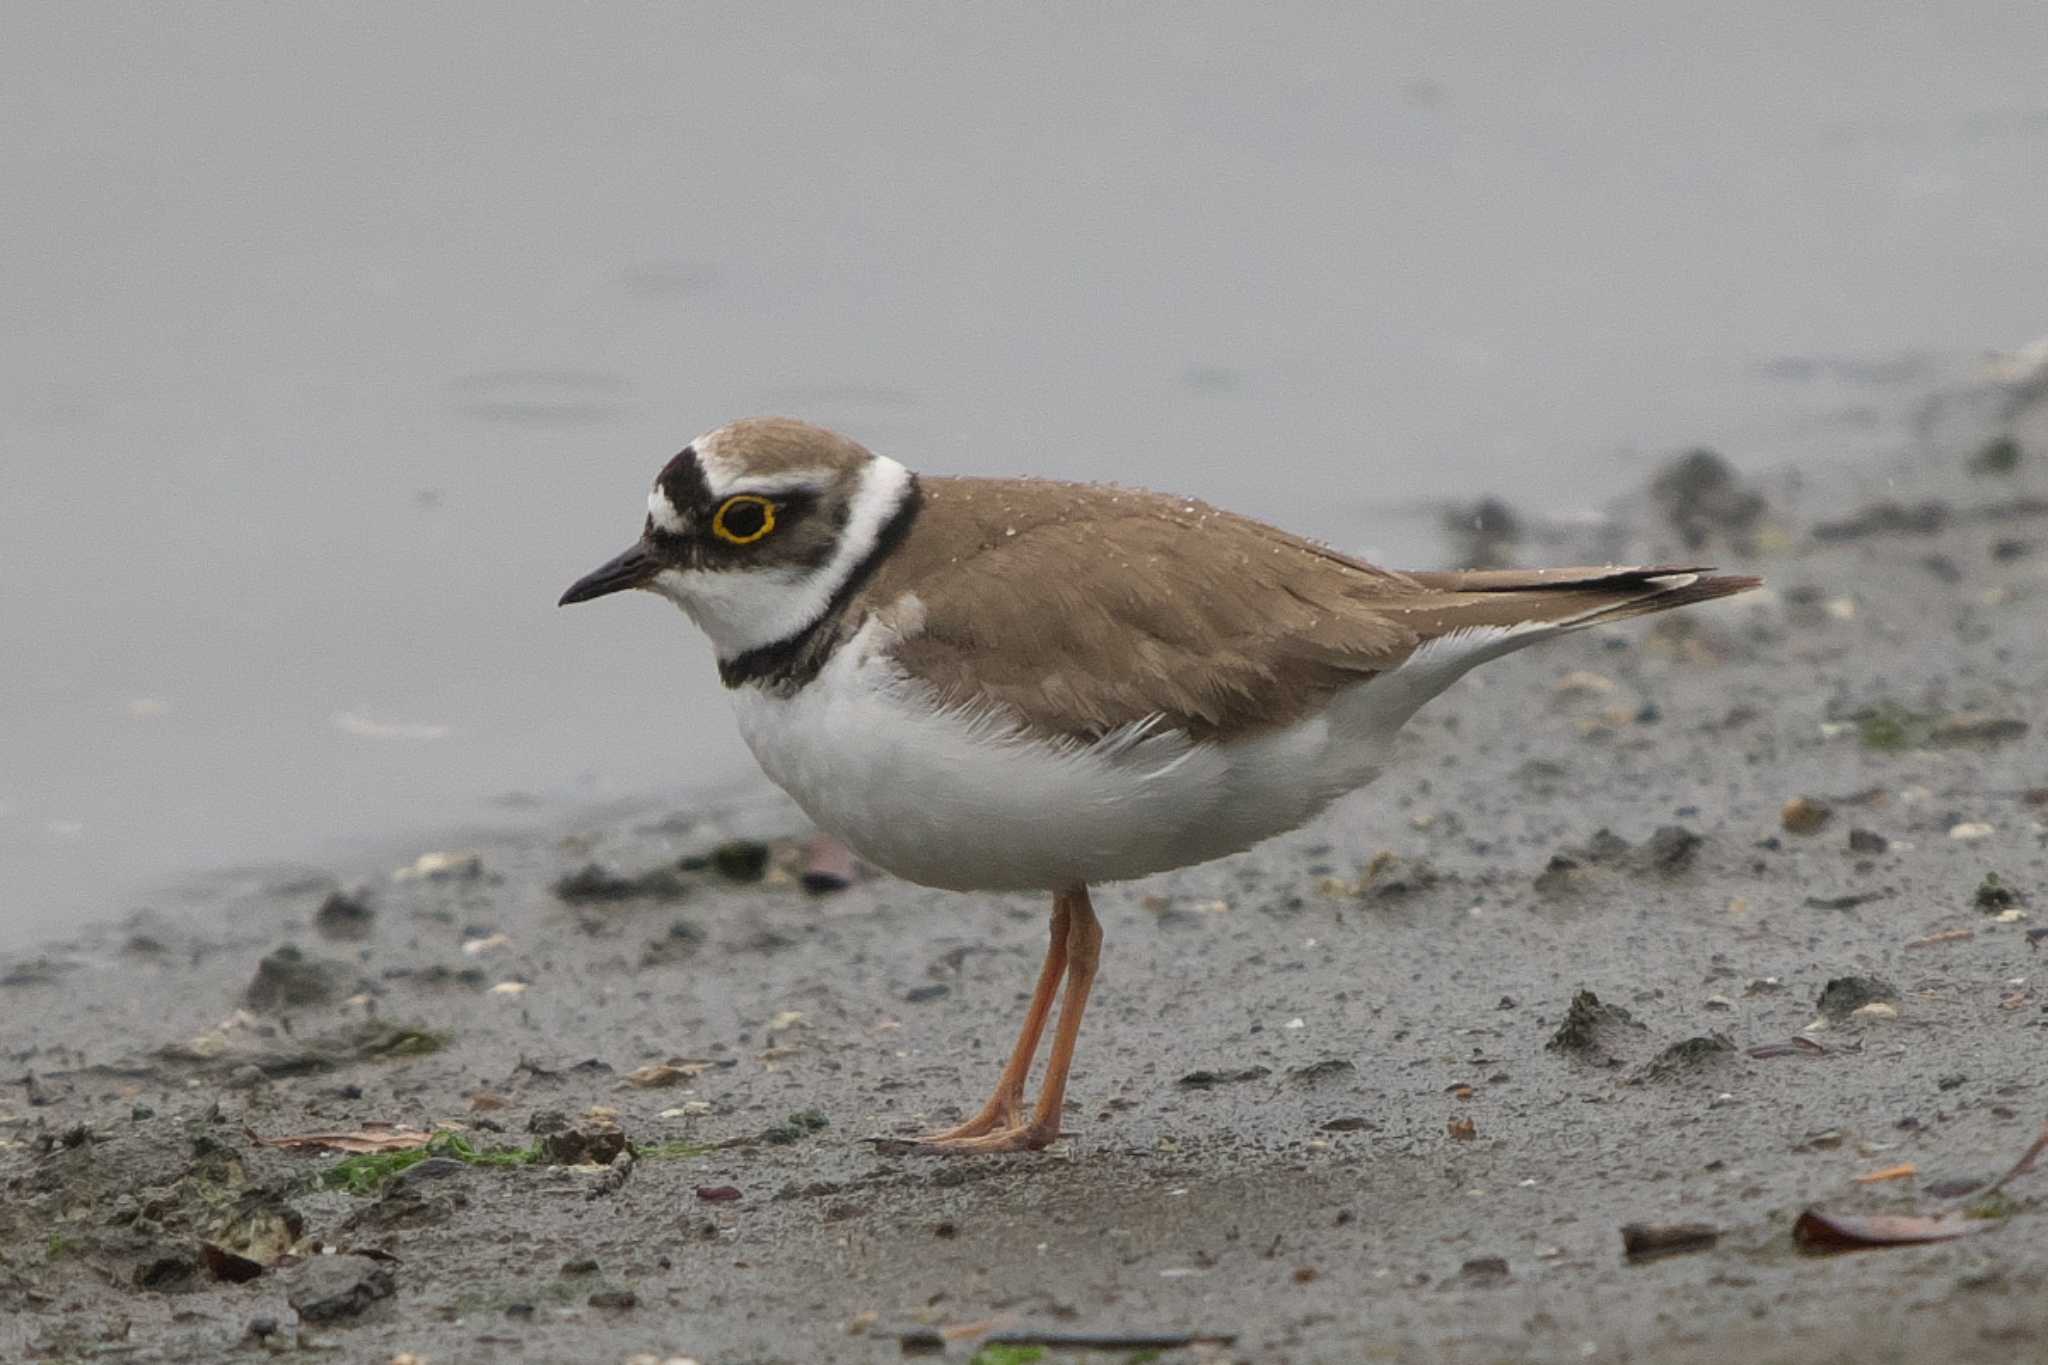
(370, 1138)
(671, 1072)
(1819, 1230)
(1898, 1172)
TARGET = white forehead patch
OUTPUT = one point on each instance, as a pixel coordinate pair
(663, 511)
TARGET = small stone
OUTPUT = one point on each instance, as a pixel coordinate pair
(1590, 1030)
(591, 1142)
(1969, 831)
(615, 1299)
(1485, 1270)
(594, 884)
(923, 995)
(1700, 496)
(1867, 841)
(1997, 457)
(1805, 815)
(332, 1288)
(1876, 1009)
(1974, 729)
(1650, 1241)
(740, 860)
(1994, 896)
(443, 867)
(1688, 1057)
(344, 915)
(1845, 995)
(289, 979)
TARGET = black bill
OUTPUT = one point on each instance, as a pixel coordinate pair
(630, 570)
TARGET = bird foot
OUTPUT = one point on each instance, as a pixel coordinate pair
(1015, 1137)
(999, 1114)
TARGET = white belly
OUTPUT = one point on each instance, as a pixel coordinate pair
(963, 800)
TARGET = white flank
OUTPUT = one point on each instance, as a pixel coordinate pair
(969, 799)
(743, 609)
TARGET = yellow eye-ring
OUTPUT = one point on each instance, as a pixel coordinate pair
(743, 519)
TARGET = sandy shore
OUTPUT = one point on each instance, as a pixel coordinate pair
(1334, 1102)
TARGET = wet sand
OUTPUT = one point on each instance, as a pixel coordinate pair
(1333, 1100)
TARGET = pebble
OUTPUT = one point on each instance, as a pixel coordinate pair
(1805, 815)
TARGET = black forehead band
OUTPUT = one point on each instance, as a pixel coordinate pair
(681, 481)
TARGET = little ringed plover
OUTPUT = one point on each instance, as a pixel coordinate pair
(1019, 684)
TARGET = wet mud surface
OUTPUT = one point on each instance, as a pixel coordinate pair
(1535, 1050)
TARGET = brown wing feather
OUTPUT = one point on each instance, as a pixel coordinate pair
(1081, 608)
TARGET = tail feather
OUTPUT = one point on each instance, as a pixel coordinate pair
(1571, 598)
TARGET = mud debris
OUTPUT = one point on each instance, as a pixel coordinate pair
(1700, 497)
(595, 884)
(1805, 815)
(335, 1289)
(1593, 1032)
(1688, 1058)
(1484, 534)
(1993, 896)
(1645, 1242)
(287, 978)
(345, 916)
(1842, 996)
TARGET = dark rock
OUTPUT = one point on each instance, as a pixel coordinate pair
(1320, 1073)
(614, 1298)
(40, 971)
(1994, 896)
(170, 1274)
(1804, 815)
(1998, 456)
(681, 942)
(594, 884)
(1390, 877)
(921, 995)
(229, 1266)
(1642, 1242)
(1943, 568)
(1484, 534)
(344, 915)
(1844, 995)
(1485, 1271)
(1974, 730)
(1701, 496)
(1867, 841)
(796, 1127)
(1592, 1031)
(329, 1289)
(1886, 518)
(740, 860)
(591, 1142)
(433, 1168)
(1688, 1057)
(2007, 550)
(288, 979)
(1671, 848)
(1209, 1080)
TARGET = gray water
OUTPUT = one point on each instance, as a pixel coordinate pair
(334, 343)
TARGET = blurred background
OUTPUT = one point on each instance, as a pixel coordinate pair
(335, 342)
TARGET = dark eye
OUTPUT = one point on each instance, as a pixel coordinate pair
(743, 519)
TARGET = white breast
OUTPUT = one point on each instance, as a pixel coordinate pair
(966, 800)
